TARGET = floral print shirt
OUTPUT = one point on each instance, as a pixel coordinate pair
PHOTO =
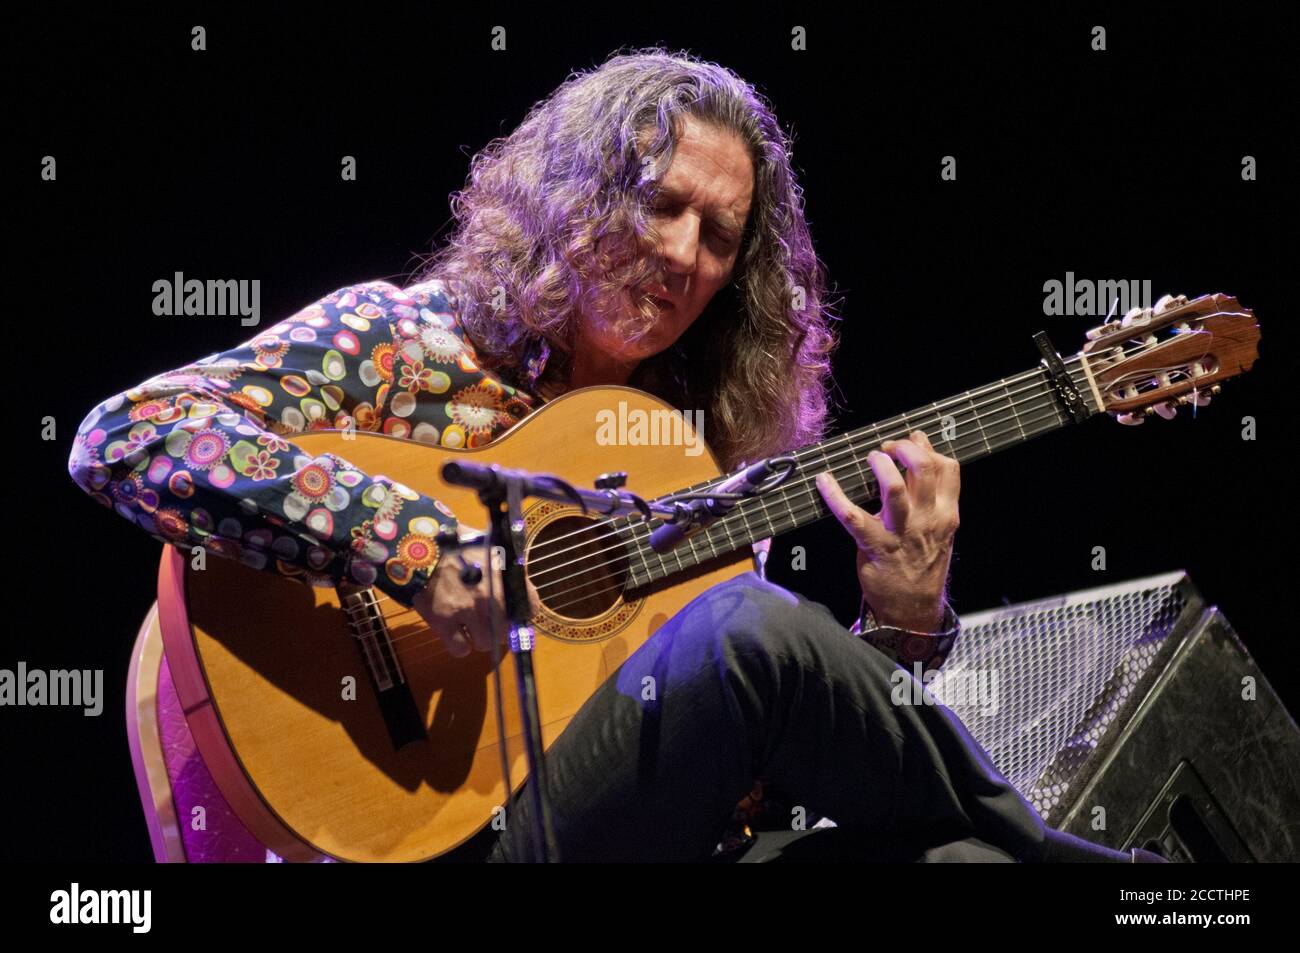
(202, 457)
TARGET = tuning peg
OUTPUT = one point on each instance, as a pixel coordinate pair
(1130, 420)
(1169, 302)
(1166, 410)
(1138, 316)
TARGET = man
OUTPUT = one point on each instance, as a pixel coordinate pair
(642, 226)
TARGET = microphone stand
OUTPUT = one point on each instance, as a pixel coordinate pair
(506, 529)
(502, 491)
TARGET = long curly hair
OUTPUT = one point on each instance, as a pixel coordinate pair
(555, 221)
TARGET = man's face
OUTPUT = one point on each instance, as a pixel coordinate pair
(700, 214)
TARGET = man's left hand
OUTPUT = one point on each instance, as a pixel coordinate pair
(904, 551)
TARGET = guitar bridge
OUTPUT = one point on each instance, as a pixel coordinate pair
(396, 703)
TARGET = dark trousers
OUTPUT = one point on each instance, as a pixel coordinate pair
(753, 682)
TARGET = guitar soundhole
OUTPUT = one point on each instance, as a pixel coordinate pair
(578, 566)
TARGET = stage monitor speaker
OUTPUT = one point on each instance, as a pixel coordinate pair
(1133, 716)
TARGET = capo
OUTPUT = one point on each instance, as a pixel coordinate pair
(1066, 393)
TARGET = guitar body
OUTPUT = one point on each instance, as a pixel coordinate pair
(275, 684)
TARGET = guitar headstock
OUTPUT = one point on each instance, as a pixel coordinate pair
(1174, 353)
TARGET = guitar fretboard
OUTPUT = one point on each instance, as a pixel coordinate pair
(966, 427)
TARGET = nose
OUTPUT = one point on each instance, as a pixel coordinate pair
(681, 242)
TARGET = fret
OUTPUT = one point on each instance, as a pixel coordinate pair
(975, 415)
(950, 449)
(794, 520)
(1014, 413)
(862, 475)
(744, 518)
(936, 423)
(768, 522)
(1044, 381)
(907, 426)
(813, 496)
(641, 548)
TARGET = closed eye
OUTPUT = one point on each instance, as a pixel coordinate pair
(721, 231)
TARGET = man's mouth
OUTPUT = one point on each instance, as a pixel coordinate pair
(663, 304)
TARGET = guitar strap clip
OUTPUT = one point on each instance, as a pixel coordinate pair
(1066, 393)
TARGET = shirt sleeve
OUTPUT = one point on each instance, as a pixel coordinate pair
(201, 456)
(907, 648)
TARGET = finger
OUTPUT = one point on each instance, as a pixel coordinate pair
(947, 469)
(492, 618)
(447, 631)
(851, 516)
(895, 505)
(949, 479)
(865, 528)
(534, 598)
(480, 633)
(922, 470)
(452, 637)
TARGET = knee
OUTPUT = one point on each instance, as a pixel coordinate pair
(750, 615)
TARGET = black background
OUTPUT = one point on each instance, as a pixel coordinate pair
(1123, 164)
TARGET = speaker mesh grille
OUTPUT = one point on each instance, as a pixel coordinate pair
(1065, 671)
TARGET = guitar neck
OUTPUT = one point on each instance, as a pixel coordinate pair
(966, 427)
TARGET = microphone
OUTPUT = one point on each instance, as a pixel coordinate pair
(694, 515)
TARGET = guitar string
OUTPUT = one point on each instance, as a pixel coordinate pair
(1079, 381)
(849, 443)
(802, 484)
(891, 421)
(639, 535)
(851, 487)
(852, 445)
(761, 502)
(806, 483)
(853, 442)
(416, 654)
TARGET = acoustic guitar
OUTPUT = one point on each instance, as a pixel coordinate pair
(342, 728)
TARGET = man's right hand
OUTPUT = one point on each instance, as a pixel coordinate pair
(451, 608)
